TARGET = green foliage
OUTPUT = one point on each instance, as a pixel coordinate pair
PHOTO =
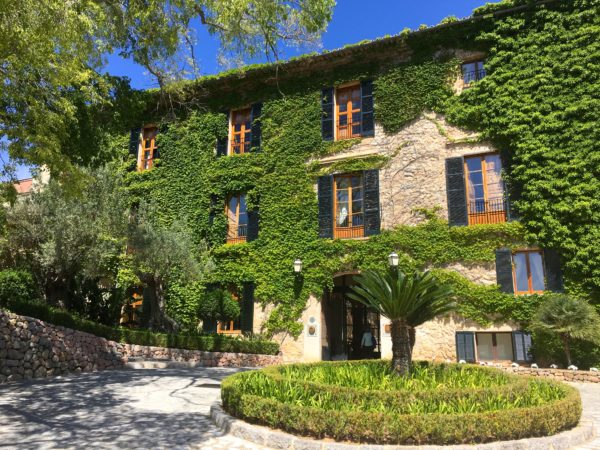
(192, 341)
(437, 404)
(352, 165)
(539, 103)
(17, 285)
(404, 92)
(548, 349)
(218, 304)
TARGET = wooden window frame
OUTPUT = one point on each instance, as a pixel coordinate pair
(232, 323)
(494, 345)
(350, 231)
(143, 162)
(530, 290)
(349, 111)
(487, 216)
(243, 145)
(230, 226)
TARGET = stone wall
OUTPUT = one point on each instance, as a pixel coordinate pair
(580, 376)
(31, 348)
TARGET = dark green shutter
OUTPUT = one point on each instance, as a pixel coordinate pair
(213, 209)
(522, 346)
(223, 142)
(256, 138)
(367, 109)
(371, 202)
(328, 114)
(465, 346)
(456, 192)
(554, 281)
(134, 141)
(325, 196)
(247, 308)
(504, 270)
(253, 219)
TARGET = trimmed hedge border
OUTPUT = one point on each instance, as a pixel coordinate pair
(209, 342)
(277, 439)
(387, 428)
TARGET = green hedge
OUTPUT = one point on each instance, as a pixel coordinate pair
(536, 408)
(206, 342)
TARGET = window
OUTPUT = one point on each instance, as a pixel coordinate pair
(237, 219)
(148, 147)
(348, 206)
(348, 112)
(485, 189)
(494, 346)
(471, 72)
(528, 272)
(231, 326)
(241, 131)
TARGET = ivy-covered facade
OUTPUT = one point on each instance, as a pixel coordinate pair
(396, 145)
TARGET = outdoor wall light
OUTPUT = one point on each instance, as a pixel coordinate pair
(298, 266)
(393, 259)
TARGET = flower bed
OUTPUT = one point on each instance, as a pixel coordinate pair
(438, 404)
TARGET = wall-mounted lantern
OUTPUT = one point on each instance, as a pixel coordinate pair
(297, 265)
(393, 259)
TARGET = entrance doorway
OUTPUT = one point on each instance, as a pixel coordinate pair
(345, 321)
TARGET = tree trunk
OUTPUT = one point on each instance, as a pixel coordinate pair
(567, 347)
(158, 318)
(401, 348)
(413, 337)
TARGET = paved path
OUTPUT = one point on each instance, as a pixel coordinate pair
(139, 409)
(130, 409)
(590, 396)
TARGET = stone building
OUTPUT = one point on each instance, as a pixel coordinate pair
(428, 164)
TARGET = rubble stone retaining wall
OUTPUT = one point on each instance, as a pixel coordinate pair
(579, 376)
(31, 348)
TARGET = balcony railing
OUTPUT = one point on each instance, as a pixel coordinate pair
(236, 233)
(487, 211)
(237, 148)
(352, 227)
(472, 76)
(348, 131)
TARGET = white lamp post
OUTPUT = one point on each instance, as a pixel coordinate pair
(297, 265)
(393, 259)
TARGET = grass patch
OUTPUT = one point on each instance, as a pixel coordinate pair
(437, 404)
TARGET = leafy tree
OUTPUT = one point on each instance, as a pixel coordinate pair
(160, 255)
(218, 304)
(569, 318)
(407, 300)
(53, 55)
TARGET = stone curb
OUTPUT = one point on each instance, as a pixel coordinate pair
(285, 441)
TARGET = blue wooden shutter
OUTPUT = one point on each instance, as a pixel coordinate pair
(247, 308)
(253, 221)
(465, 346)
(328, 114)
(522, 346)
(371, 202)
(367, 109)
(134, 141)
(256, 138)
(223, 141)
(325, 197)
(554, 280)
(456, 192)
(504, 270)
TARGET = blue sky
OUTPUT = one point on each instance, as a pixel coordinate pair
(353, 21)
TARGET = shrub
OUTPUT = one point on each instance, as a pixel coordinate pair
(218, 304)
(436, 404)
(205, 342)
(16, 285)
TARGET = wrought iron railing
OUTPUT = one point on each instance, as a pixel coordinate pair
(236, 233)
(487, 211)
(472, 76)
(347, 131)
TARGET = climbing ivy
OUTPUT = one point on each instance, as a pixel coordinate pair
(533, 105)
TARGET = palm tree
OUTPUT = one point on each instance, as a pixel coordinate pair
(569, 318)
(407, 300)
